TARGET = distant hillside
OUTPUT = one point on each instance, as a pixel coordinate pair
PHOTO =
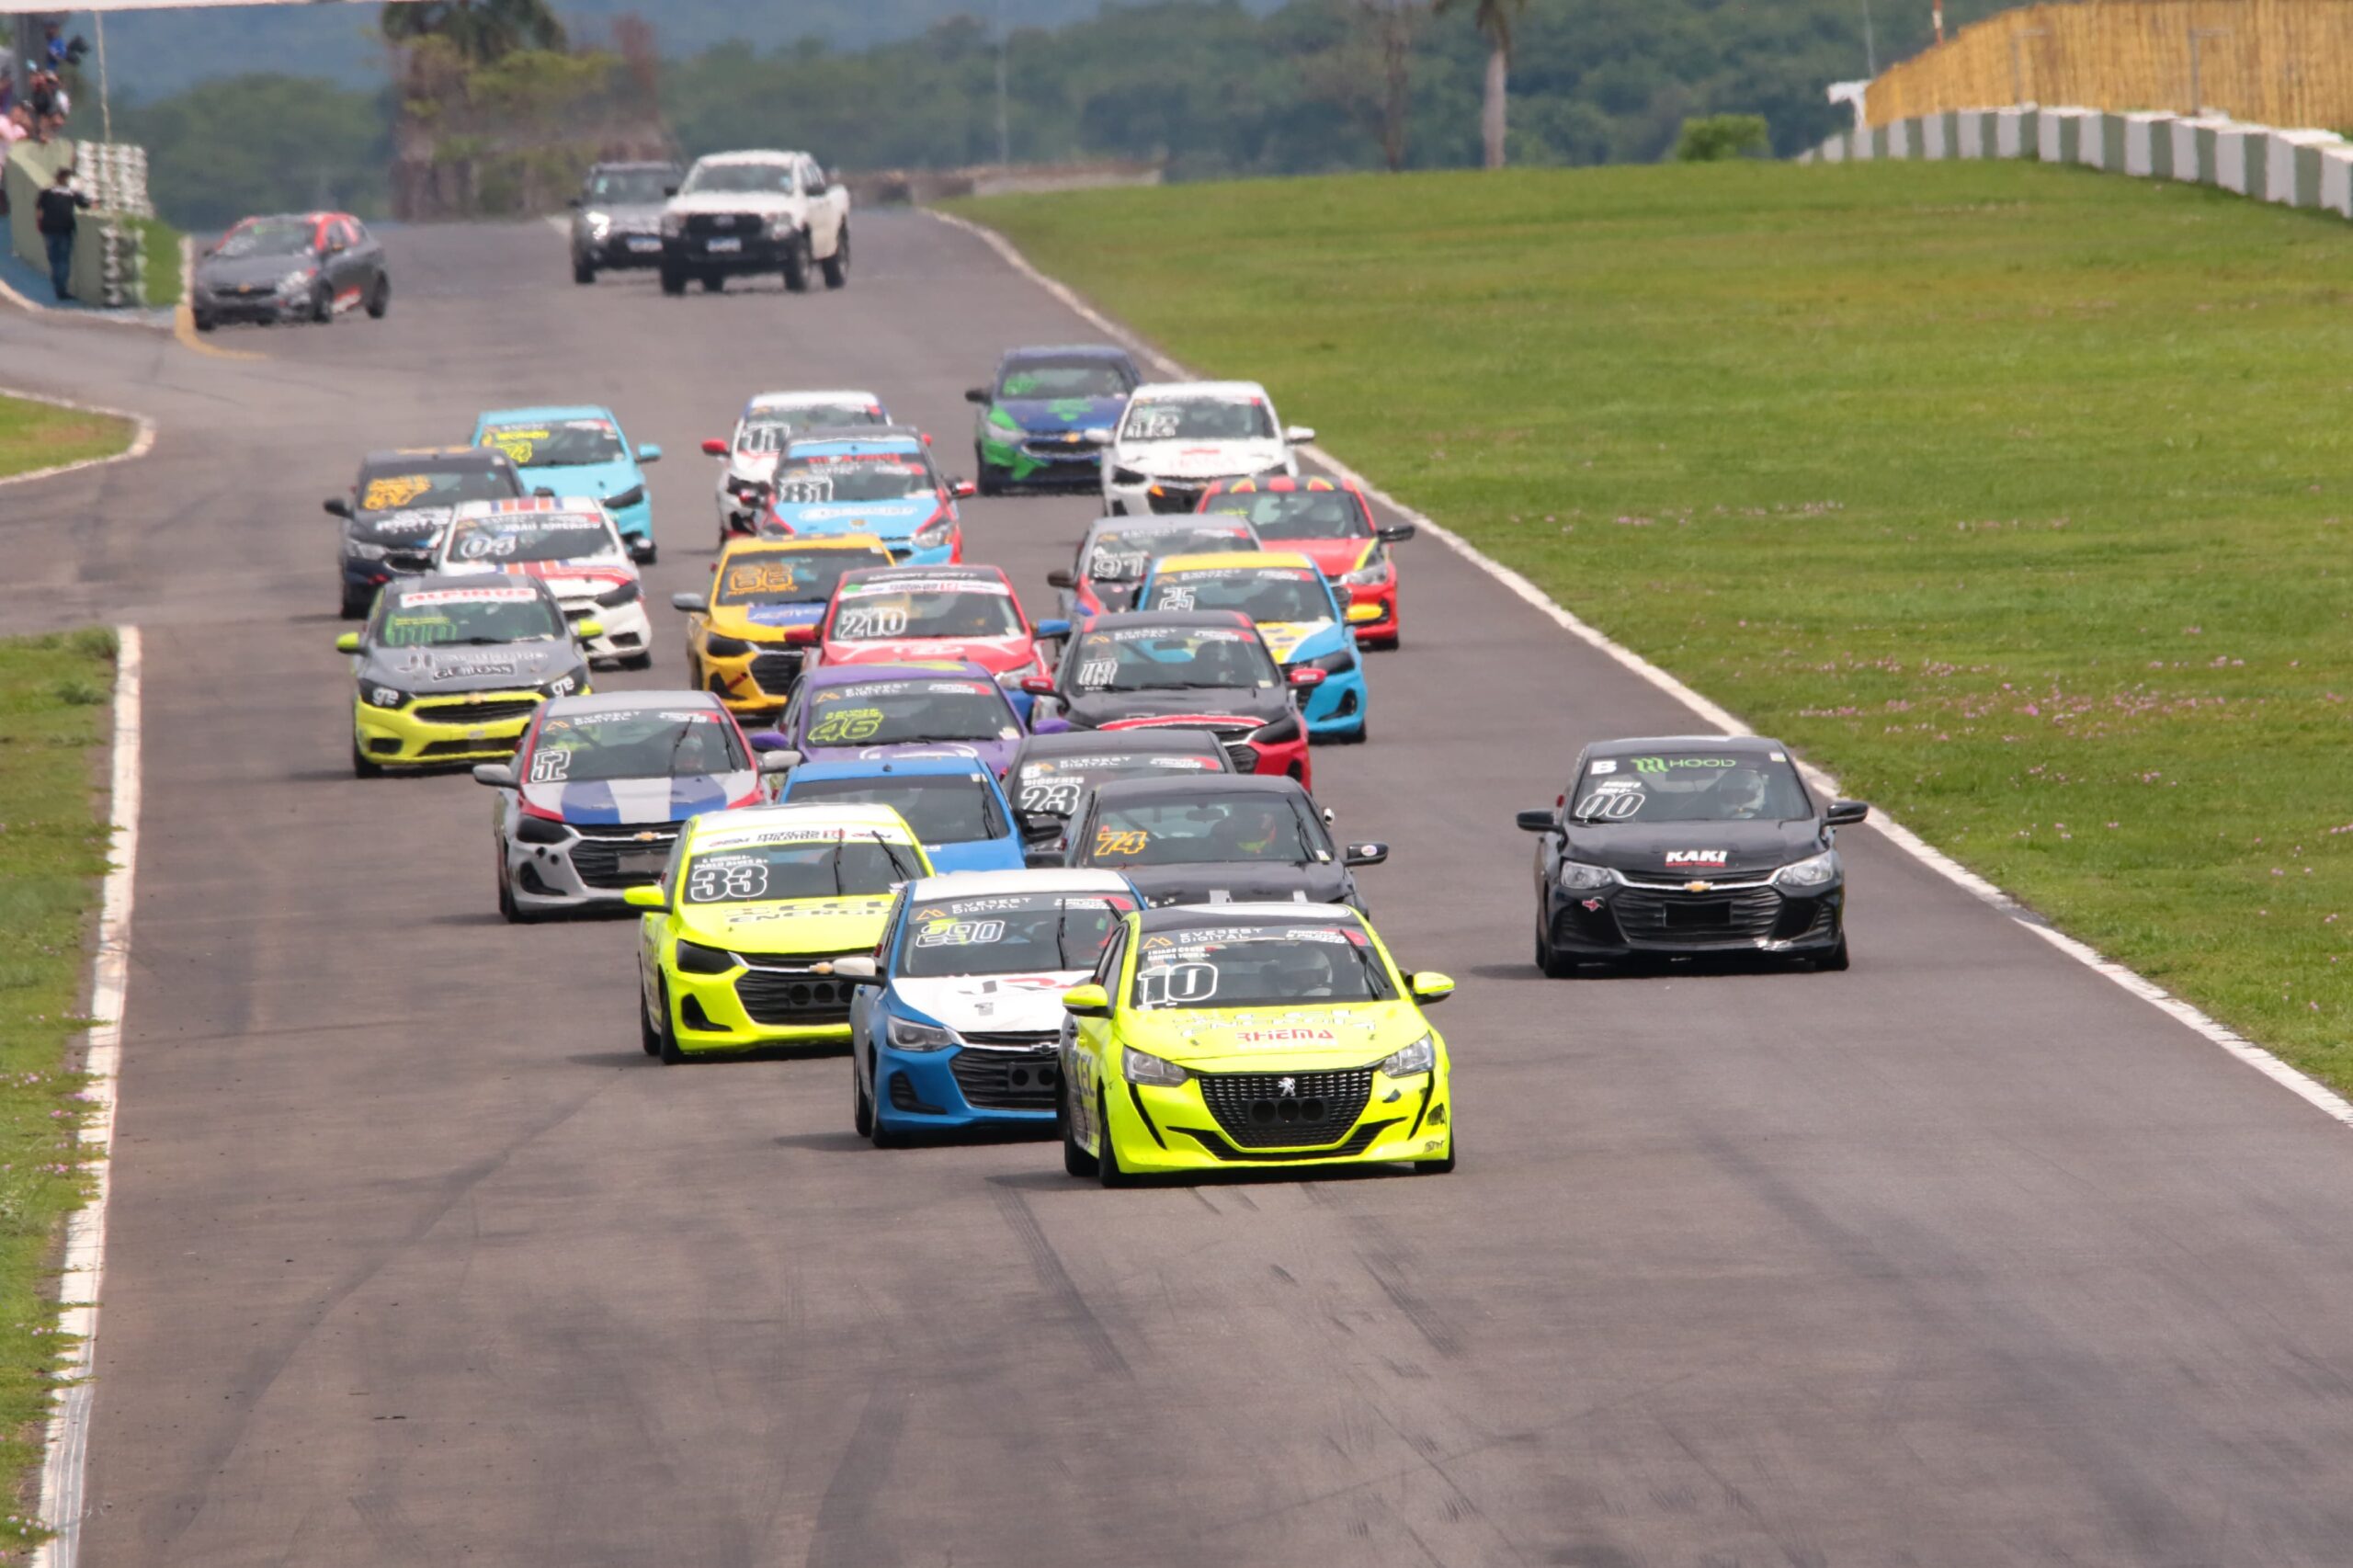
(153, 53)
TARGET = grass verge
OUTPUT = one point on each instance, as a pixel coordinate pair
(41, 434)
(53, 842)
(2017, 497)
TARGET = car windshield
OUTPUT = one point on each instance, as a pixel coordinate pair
(739, 178)
(1265, 594)
(1295, 514)
(679, 744)
(431, 617)
(821, 481)
(1258, 966)
(897, 712)
(1155, 658)
(766, 432)
(560, 443)
(1053, 787)
(788, 577)
(1037, 933)
(629, 188)
(1052, 379)
(1198, 419)
(1121, 556)
(1693, 785)
(395, 486)
(504, 537)
(266, 236)
(869, 613)
(1204, 829)
(942, 808)
(800, 864)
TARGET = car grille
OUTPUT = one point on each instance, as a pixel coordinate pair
(1699, 920)
(1168, 498)
(1008, 1079)
(743, 224)
(468, 748)
(1266, 1110)
(1357, 1143)
(597, 858)
(471, 713)
(776, 672)
(782, 997)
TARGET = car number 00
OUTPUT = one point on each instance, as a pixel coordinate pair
(1616, 805)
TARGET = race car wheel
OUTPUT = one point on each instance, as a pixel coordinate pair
(322, 306)
(205, 322)
(673, 280)
(1834, 960)
(1077, 1161)
(1556, 965)
(583, 271)
(671, 1056)
(861, 1105)
(836, 266)
(1107, 1164)
(714, 283)
(1357, 736)
(985, 477)
(796, 265)
(380, 300)
(356, 605)
(360, 767)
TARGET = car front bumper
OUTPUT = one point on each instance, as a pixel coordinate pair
(591, 868)
(628, 630)
(722, 1013)
(263, 309)
(1620, 921)
(430, 732)
(1380, 623)
(758, 682)
(1336, 706)
(1166, 1129)
(965, 1086)
(756, 251)
(1042, 459)
(620, 250)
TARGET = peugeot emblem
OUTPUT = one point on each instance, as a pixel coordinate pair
(1287, 1085)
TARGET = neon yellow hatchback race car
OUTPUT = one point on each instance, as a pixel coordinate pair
(1220, 1037)
(739, 941)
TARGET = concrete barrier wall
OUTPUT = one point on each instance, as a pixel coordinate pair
(2312, 169)
(108, 268)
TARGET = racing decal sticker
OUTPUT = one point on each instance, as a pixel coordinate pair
(1669, 764)
(550, 765)
(762, 577)
(961, 933)
(1615, 801)
(847, 727)
(1704, 860)
(518, 442)
(925, 585)
(1120, 841)
(1059, 798)
(1176, 985)
(1176, 596)
(1117, 565)
(393, 492)
(483, 595)
(477, 669)
(1098, 672)
(1282, 1037)
(878, 621)
(727, 878)
(1603, 765)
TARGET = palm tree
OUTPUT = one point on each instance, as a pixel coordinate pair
(480, 31)
(1492, 18)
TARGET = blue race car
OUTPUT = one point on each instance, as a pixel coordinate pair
(578, 451)
(873, 480)
(953, 803)
(960, 1024)
(1305, 626)
(1036, 412)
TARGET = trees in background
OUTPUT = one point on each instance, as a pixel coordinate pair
(1492, 18)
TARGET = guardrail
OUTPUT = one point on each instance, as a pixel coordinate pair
(2294, 168)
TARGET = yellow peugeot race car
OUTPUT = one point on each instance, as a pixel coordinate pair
(738, 942)
(747, 637)
(1217, 1037)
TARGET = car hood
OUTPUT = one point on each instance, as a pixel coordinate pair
(1292, 641)
(626, 214)
(995, 654)
(728, 201)
(884, 519)
(990, 1004)
(765, 623)
(1242, 881)
(411, 525)
(619, 801)
(1259, 705)
(1332, 557)
(1198, 459)
(426, 672)
(996, 756)
(976, 855)
(792, 925)
(599, 480)
(1704, 850)
(230, 272)
(1050, 416)
(1272, 1039)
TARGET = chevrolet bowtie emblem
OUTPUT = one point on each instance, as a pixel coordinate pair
(647, 837)
(1287, 1085)
(1697, 886)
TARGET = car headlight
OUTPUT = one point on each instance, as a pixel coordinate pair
(382, 696)
(541, 830)
(1142, 1067)
(562, 686)
(627, 594)
(908, 1035)
(1814, 871)
(295, 282)
(599, 224)
(1282, 730)
(627, 498)
(696, 958)
(1004, 421)
(725, 647)
(1330, 664)
(1418, 1057)
(1126, 476)
(360, 550)
(1576, 875)
(934, 535)
(1371, 574)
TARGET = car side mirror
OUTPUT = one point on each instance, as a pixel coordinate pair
(1535, 822)
(1088, 1002)
(497, 775)
(1096, 435)
(1395, 533)
(714, 447)
(1039, 831)
(644, 898)
(1299, 434)
(1038, 685)
(857, 966)
(588, 630)
(1050, 629)
(649, 453)
(1429, 987)
(769, 740)
(1329, 816)
(669, 190)
(976, 394)
(780, 761)
(1846, 814)
(962, 489)
(347, 644)
(1061, 580)
(544, 493)
(1306, 676)
(689, 604)
(335, 506)
(1364, 854)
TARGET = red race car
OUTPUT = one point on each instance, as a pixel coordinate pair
(900, 615)
(1330, 522)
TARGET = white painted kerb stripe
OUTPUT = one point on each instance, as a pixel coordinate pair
(62, 1506)
(1896, 833)
(141, 442)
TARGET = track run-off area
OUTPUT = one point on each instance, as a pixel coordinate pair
(1965, 1256)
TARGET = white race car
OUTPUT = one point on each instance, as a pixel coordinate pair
(1179, 438)
(749, 460)
(570, 544)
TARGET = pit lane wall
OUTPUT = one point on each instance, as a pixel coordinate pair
(2294, 168)
(110, 267)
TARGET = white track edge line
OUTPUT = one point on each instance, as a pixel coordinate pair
(68, 1442)
(2300, 1084)
(142, 442)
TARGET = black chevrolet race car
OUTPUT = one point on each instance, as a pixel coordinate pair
(1206, 839)
(398, 506)
(1051, 773)
(1687, 844)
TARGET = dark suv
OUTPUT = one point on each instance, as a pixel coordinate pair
(617, 217)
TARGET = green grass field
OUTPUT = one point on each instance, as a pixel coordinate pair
(41, 434)
(2016, 496)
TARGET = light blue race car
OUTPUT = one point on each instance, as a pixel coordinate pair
(1305, 626)
(953, 803)
(879, 481)
(959, 1025)
(578, 451)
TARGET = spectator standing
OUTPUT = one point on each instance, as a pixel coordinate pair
(56, 217)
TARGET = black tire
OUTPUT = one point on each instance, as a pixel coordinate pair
(355, 608)
(1077, 1161)
(360, 767)
(380, 300)
(1556, 965)
(673, 280)
(639, 661)
(836, 266)
(984, 477)
(1107, 1164)
(652, 553)
(714, 283)
(1363, 733)
(583, 272)
(861, 1104)
(647, 1036)
(1834, 960)
(205, 322)
(881, 1136)
(323, 307)
(671, 1056)
(796, 265)
(508, 910)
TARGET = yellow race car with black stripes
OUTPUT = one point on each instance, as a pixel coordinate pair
(747, 635)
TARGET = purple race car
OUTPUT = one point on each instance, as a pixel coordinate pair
(858, 712)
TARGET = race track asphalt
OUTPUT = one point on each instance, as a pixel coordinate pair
(1963, 1257)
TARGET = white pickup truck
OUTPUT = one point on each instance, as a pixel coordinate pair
(744, 213)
